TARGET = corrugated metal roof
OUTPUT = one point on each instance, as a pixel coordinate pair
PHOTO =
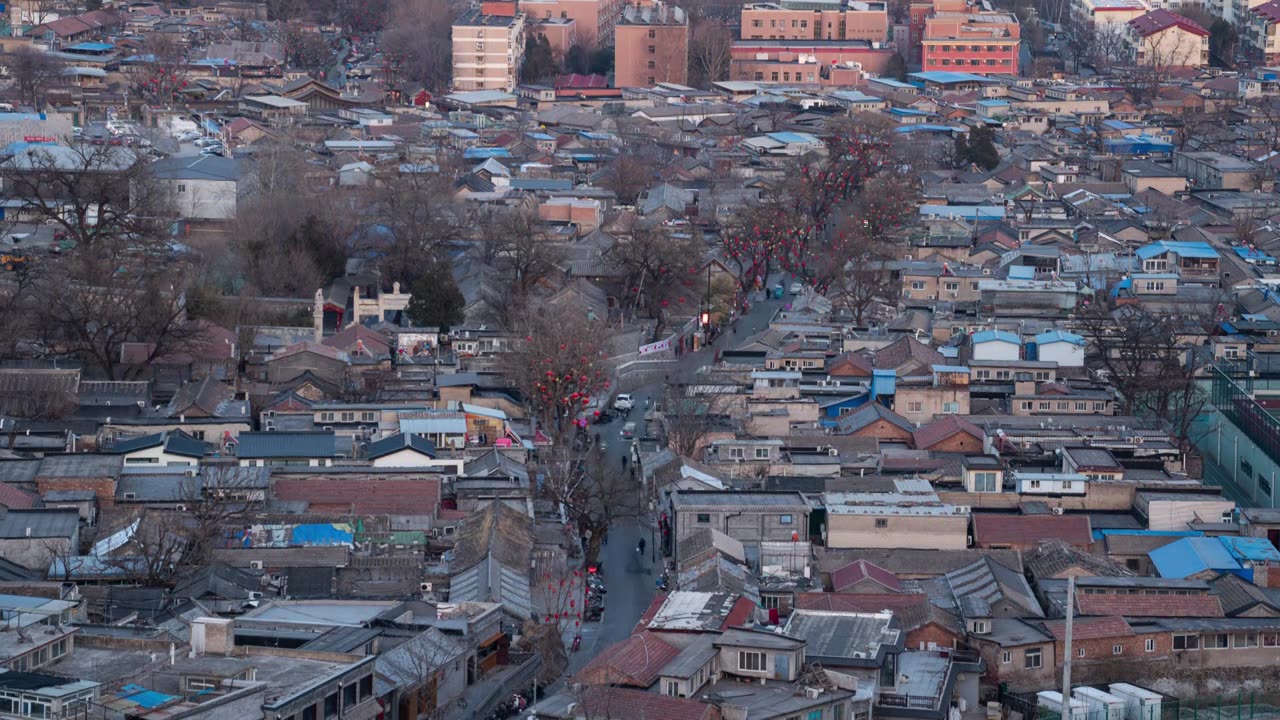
(319, 444)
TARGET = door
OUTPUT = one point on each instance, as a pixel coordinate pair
(1274, 537)
(781, 667)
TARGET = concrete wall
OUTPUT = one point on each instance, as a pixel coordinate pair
(931, 532)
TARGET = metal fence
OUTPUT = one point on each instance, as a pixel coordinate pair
(1240, 705)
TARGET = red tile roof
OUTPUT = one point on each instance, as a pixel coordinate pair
(1030, 530)
(15, 498)
(635, 661)
(1160, 20)
(1268, 10)
(374, 496)
(740, 613)
(1100, 628)
(1188, 606)
(628, 703)
(859, 570)
(935, 432)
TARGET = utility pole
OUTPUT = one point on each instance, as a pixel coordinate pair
(1066, 655)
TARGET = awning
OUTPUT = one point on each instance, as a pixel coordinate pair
(497, 637)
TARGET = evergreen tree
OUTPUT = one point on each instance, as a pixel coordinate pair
(435, 298)
(982, 148)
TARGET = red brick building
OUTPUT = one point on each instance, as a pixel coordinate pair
(960, 38)
(651, 45)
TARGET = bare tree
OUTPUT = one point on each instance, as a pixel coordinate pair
(32, 71)
(420, 216)
(160, 72)
(417, 43)
(709, 52)
(657, 265)
(627, 176)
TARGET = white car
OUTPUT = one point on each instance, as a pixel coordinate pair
(796, 288)
(623, 402)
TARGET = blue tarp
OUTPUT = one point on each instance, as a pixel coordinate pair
(319, 534)
(1201, 250)
(146, 698)
(483, 153)
(1189, 556)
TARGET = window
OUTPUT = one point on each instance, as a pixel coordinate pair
(331, 705)
(182, 188)
(349, 696)
(784, 519)
(1219, 641)
(1066, 484)
(1246, 640)
(366, 687)
(950, 408)
(737, 452)
(984, 482)
(973, 286)
(915, 406)
(814, 715)
(1097, 407)
(1026, 404)
(770, 602)
(1186, 642)
(1149, 645)
(1034, 484)
(750, 661)
(917, 285)
(982, 374)
(952, 286)
(673, 688)
(1269, 640)
(704, 518)
(1264, 485)
(1006, 657)
(1080, 652)
(1117, 649)
(1032, 659)
(1043, 405)
(652, 33)
(651, 50)
(762, 453)
(980, 627)
(1155, 285)
(882, 522)
(1082, 407)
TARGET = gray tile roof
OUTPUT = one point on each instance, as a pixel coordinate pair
(266, 445)
(401, 441)
(80, 465)
(39, 523)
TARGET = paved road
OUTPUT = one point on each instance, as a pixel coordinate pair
(629, 577)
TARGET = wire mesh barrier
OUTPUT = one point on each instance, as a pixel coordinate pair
(1239, 705)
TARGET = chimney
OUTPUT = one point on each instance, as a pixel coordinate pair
(212, 636)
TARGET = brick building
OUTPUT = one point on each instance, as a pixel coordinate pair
(961, 38)
(1164, 39)
(817, 62)
(651, 45)
(488, 47)
(593, 19)
(810, 20)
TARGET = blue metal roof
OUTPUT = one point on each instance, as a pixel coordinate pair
(480, 153)
(1053, 336)
(1179, 248)
(909, 112)
(146, 698)
(925, 128)
(92, 47)
(949, 369)
(793, 137)
(949, 77)
(1022, 272)
(986, 336)
(1189, 556)
(1253, 254)
(963, 211)
(1251, 549)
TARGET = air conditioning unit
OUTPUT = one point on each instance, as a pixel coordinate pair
(1056, 511)
(955, 294)
(425, 587)
(255, 564)
(255, 595)
(962, 510)
(812, 692)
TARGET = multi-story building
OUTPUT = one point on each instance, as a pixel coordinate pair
(1108, 12)
(817, 62)
(1168, 40)
(816, 20)
(651, 45)
(961, 38)
(593, 19)
(1260, 36)
(488, 47)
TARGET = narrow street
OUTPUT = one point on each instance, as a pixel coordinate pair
(629, 576)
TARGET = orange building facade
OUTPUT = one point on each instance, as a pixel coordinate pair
(651, 45)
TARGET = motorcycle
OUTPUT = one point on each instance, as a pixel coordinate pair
(577, 641)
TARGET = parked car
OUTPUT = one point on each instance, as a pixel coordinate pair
(628, 430)
(796, 288)
(623, 403)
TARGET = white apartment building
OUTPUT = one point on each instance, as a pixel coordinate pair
(488, 48)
